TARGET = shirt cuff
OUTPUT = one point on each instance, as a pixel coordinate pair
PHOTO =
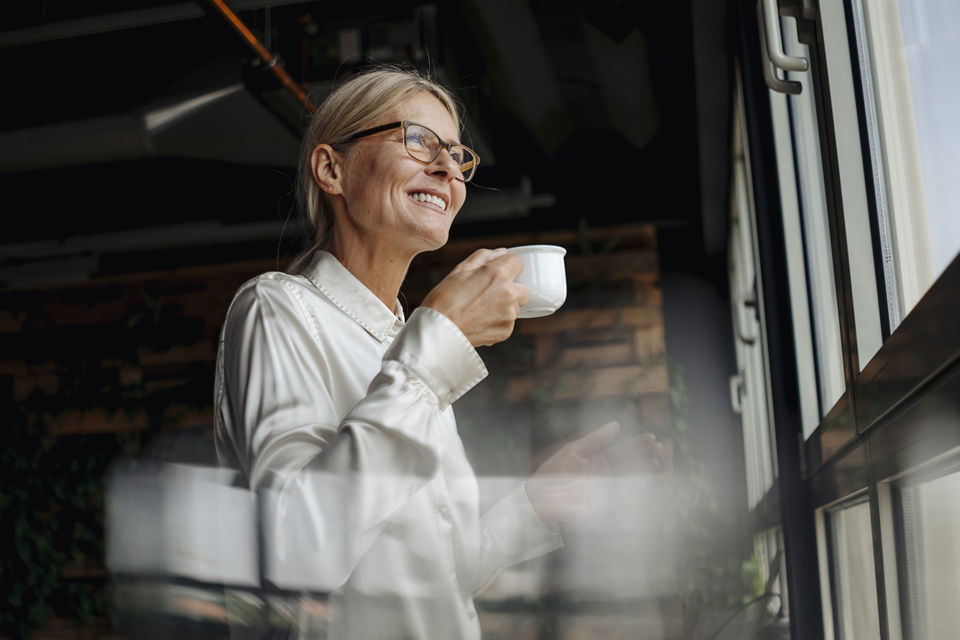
(518, 527)
(434, 349)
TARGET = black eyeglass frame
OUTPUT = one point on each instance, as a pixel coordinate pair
(402, 124)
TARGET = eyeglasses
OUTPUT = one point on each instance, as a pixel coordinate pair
(424, 145)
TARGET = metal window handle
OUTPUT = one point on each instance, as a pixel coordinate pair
(771, 25)
(791, 87)
(749, 301)
(741, 335)
(736, 393)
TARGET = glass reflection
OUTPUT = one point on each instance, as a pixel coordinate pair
(856, 612)
(931, 544)
(907, 49)
(824, 314)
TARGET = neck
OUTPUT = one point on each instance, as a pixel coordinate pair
(377, 265)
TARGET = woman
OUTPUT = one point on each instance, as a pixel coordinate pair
(339, 408)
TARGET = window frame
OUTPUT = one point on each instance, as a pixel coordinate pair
(889, 419)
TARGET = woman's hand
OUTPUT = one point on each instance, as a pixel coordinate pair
(559, 490)
(481, 297)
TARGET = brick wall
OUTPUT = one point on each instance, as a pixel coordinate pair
(132, 355)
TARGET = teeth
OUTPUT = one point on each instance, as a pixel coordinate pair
(427, 197)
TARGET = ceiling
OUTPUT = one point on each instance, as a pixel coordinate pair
(132, 125)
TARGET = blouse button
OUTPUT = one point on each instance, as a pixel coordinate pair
(471, 614)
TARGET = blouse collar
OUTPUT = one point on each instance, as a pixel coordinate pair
(344, 290)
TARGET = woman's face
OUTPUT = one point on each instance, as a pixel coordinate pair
(380, 181)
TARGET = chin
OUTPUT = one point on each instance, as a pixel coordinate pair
(438, 243)
(434, 238)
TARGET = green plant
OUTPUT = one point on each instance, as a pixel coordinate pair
(710, 574)
(52, 497)
(52, 510)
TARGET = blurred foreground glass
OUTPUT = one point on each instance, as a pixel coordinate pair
(191, 554)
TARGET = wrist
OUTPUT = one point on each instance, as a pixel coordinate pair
(539, 505)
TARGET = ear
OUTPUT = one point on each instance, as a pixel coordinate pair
(326, 167)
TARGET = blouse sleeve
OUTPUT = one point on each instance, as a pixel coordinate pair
(343, 477)
(512, 532)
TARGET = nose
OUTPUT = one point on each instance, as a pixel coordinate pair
(445, 165)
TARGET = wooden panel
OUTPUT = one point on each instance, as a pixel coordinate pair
(581, 319)
(622, 236)
(98, 421)
(599, 382)
(69, 629)
(648, 342)
(180, 354)
(593, 348)
(615, 266)
(11, 321)
(595, 356)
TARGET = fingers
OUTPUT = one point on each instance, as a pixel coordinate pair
(600, 465)
(479, 258)
(502, 264)
(596, 440)
(639, 454)
(523, 294)
(511, 264)
(481, 297)
(506, 268)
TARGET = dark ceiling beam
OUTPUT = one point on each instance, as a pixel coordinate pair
(105, 23)
(225, 123)
(106, 139)
(206, 232)
(508, 35)
(622, 69)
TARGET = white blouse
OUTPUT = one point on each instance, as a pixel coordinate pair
(339, 413)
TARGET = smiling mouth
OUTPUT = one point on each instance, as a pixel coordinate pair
(420, 196)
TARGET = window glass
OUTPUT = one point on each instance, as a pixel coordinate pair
(768, 549)
(931, 553)
(749, 390)
(855, 611)
(813, 296)
(908, 51)
(810, 413)
(851, 182)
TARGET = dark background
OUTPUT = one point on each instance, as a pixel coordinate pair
(616, 109)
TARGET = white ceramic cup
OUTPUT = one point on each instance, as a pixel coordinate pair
(545, 276)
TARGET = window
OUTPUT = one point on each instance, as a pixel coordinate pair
(749, 390)
(866, 258)
(813, 294)
(852, 186)
(907, 51)
(768, 548)
(852, 609)
(929, 542)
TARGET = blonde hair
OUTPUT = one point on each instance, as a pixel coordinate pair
(355, 105)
